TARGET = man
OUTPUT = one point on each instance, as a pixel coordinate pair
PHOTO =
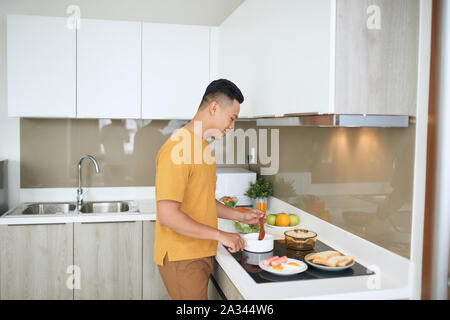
(186, 234)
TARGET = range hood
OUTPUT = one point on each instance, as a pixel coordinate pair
(338, 120)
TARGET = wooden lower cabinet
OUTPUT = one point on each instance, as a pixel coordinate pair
(226, 290)
(214, 293)
(81, 261)
(153, 286)
(109, 257)
(35, 260)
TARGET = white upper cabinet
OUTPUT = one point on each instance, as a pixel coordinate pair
(175, 69)
(109, 69)
(278, 54)
(322, 56)
(41, 67)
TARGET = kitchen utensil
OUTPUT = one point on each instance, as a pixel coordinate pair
(262, 233)
(255, 245)
(254, 258)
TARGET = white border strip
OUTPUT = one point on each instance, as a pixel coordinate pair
(332, 79)
(420, 157)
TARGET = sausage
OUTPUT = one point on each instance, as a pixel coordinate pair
(275, 262)
(278, 261)
(269, 260)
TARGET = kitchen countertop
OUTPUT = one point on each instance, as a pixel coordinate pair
(378, 286)
(390, 280)
(391, 270)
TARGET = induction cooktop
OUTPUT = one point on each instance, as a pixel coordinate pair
(249, 261)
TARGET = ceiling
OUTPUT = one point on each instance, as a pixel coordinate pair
(199, 12)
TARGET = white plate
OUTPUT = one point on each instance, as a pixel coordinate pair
(319, 266)
(287, 270)
(282, 228)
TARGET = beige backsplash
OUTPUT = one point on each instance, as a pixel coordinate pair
(359, 179)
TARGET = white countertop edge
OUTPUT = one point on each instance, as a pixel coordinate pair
(388, 294)
(75, 218)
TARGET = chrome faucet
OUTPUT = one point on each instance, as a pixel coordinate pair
(80, 190)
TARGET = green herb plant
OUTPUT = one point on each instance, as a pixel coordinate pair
(259, 189)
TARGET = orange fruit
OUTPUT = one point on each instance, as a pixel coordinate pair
(282, 220)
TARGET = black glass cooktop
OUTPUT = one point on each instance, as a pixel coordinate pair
(249, 261)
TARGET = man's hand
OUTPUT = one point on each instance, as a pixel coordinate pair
(232, 241)
(253, 216)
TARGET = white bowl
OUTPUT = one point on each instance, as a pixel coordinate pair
(255, 245)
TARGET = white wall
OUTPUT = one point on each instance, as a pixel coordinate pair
(9, 127)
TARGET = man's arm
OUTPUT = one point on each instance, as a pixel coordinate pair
(251, 217)
(171, 216)
(226, 212)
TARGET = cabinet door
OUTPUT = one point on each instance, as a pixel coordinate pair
(278, 54)
(109, 69)
(175, 70)
(153, 286)
(35, 261)
(109, 256)
(377, 56)
(41, 67)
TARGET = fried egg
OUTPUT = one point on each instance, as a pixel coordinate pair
(278, 267)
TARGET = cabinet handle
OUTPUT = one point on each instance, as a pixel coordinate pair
(35, 224)
(98, 222)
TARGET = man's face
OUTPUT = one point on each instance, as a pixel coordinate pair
(224, 117)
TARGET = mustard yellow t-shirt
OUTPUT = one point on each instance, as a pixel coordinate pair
(186, 172)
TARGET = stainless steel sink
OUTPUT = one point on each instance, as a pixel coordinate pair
(93, 207)
(108, 207)
(48, 208)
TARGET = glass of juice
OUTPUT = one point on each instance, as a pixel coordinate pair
(261, 204)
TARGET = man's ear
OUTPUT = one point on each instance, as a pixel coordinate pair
(213, 107)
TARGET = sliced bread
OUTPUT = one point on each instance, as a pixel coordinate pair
(334, 261)
(323, 256)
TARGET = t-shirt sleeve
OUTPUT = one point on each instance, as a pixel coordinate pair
(171, 179)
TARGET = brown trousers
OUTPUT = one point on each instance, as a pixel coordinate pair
(187, 279)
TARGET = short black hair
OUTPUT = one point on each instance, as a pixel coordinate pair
(224, 87)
